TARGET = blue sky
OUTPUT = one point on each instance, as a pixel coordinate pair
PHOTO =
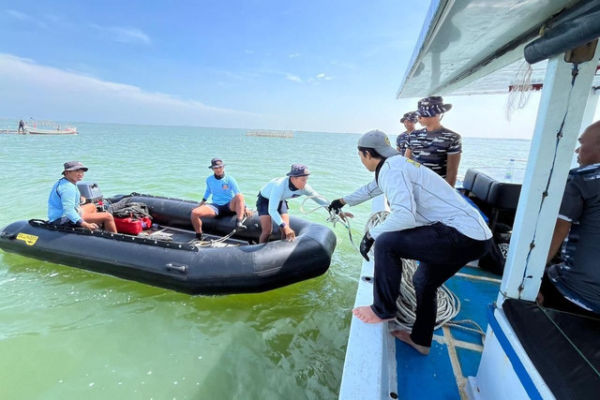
(319, 66)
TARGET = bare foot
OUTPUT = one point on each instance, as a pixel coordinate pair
(366, 314)
(405, 337)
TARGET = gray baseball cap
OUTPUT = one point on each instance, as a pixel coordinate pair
(378, 141)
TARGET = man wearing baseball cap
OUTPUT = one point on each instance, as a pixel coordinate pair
(409, 120)
(428, 221)
(64, 202)
(226, 198)
(435, 146)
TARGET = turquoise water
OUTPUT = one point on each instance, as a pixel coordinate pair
(69, 334)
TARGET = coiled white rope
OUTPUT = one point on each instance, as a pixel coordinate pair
(448, 304)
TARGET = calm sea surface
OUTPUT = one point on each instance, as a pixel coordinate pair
(71, 334)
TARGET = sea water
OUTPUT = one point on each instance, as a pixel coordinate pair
(67, 333)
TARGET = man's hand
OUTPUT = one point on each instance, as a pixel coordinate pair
(89, 225)
(288, 233)
(336, 205)
(365, 245)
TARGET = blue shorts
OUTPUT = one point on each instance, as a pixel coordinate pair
(63, 221)
(262, 205)
(222, 210)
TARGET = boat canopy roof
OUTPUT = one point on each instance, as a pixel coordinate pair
(463, 41)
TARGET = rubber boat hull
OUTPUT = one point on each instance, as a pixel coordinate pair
(179, 265)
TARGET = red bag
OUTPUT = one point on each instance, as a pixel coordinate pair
(132, 226)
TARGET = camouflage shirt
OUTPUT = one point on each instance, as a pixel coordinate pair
(431, 148)
(402, 141)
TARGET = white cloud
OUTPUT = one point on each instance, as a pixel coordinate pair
(294, 55)
(32, 89)
(18, 15)
(323, 76)
(26, 18)
(123, 34)
(293, 78)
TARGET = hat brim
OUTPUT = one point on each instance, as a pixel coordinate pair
(213, 166)
(84, 169)
(292, 175)
(387, 151)
(76, 169)
(444, 107)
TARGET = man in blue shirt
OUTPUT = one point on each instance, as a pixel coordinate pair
(64, 202)
(226, 198)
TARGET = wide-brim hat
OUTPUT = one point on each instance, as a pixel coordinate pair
(378, 141)
(298, 170)
(216, 162)
(432, 106)
(410, 116)
(74, 166)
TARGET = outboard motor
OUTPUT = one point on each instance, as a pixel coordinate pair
(92, 194)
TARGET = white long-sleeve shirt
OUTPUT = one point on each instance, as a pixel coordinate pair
(279, 189)
(417, 196)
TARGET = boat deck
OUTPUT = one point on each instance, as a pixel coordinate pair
(455, 352)
(378, 366)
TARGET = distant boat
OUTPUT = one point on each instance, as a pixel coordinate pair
(49, 128)
(270, 133)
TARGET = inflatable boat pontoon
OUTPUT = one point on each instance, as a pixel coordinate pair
(169, 256)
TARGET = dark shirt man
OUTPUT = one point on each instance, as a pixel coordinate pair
(409, 120)
(577, 278)
(435, 146)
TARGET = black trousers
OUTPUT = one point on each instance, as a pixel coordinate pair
(441, 252)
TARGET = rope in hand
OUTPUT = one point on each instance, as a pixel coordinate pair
(335, 217)
(448, 304)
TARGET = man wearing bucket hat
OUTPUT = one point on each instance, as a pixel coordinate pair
(272, 203)
(226, 198)
(435, 146)
(428, 221)
(409, 120)
(64, 202)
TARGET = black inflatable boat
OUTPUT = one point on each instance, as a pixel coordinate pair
(168, 256)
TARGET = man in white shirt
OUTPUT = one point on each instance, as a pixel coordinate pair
(429, 222)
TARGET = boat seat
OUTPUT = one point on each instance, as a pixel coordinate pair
(469, 180)
(503, 198)
(481, 186)
(504, 195)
